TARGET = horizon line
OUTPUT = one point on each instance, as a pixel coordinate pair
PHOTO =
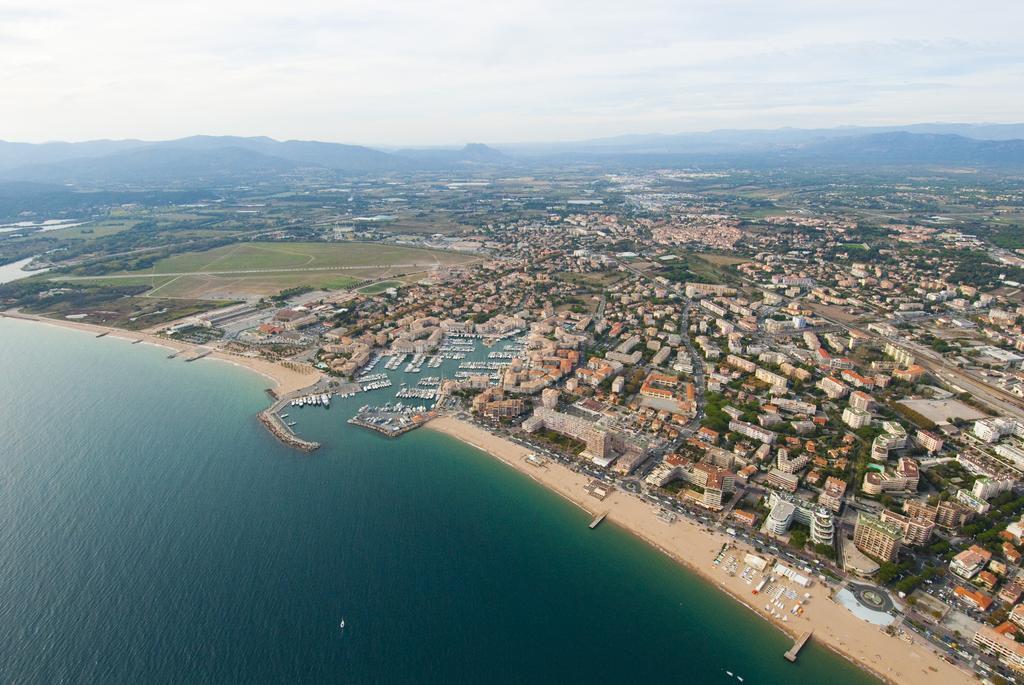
(397, 146)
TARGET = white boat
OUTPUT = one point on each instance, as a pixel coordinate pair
(729, 673)
(342, 624)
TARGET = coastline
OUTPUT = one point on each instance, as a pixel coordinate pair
(285, 380)
(890, 658)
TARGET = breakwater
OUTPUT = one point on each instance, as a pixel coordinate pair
(277, 428)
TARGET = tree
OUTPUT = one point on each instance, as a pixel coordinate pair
(828, 551)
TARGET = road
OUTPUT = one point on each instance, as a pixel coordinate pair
(998, 398)
(698, 361)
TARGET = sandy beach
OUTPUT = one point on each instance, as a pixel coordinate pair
(284, 379)
(892, 658)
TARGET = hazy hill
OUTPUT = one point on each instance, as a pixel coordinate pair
(902, 148)
(758, 140)
(156, 165)
(199, 161)
(217, 159)
(13, 155)
(473, 153)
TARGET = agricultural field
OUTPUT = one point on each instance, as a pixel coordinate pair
(597, 280)
(703, 268)
(92, 230)
(248, 270)
(722, 259)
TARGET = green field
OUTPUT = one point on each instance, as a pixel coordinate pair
(92, 230)
(377, 288)
(291, 256)
(247, 270)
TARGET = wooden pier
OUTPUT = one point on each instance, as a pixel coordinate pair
(797, 646)
(597, 520)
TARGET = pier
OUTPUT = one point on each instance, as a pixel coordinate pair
(597, 520)
(797, 646)
(199, 354)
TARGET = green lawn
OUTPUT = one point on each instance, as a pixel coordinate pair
(377, 288)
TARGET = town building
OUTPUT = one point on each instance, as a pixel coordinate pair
(1008, 650)
(876, 538)
(832, 494)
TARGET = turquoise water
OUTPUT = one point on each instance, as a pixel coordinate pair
(151, 531)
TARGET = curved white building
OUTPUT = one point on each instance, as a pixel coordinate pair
(786, 508)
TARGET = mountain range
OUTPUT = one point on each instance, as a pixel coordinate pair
(212, 160)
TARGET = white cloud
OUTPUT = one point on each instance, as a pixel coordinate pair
(450, 71)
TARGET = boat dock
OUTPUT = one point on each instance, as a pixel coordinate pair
(100, 335)
(797, 646)
(597, 520)
(198, 355)
(391, 421)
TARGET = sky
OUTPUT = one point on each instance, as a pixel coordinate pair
(437, 72)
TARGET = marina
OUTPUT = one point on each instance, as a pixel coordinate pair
(312, 400)
(490, 366)
(416, 394)
(391, 420)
